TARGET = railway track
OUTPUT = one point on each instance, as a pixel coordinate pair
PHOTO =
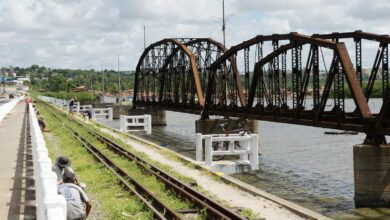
(212, 209)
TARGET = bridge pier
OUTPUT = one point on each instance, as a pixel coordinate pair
(158, 116)
(211, 126)
(372, 175)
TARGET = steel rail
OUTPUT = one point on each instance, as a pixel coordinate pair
(159, 209)
(213, 208)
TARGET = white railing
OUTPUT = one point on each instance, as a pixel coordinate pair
(233, 144)
(62, 103)
(129, 121)
(50, 205)
(84, 108)
(76, 107)
(102, 113)
(7, 107)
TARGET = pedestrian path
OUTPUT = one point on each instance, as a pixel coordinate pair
(16, 182)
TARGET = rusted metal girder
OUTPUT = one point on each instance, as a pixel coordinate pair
(263, 93)
(197, 47)
(355, 35)
(345, 61)
(169, 46)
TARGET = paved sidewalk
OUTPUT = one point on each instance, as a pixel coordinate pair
(16, 183)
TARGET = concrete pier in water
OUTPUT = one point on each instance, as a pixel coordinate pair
(212, 126)
(158, 116)
(372, 175)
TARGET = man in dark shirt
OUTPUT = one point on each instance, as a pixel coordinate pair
(71, 104)
(42, 124)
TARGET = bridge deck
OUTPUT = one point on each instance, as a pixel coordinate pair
(16, 192)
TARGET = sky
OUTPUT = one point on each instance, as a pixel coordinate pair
(83, 34)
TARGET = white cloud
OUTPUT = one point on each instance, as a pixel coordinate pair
(79, 34)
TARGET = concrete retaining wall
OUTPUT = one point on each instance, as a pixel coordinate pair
(50, 205)
(7, 107)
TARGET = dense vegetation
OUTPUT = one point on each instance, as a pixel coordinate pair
(66, 80)
(376, 90)
(80, 96)
(61, 82)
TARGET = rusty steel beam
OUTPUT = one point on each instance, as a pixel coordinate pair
(189, 44)
(266, 99)
(355, 34)
(353, 82)
(342, 52)
(179, 46)
(258, 39)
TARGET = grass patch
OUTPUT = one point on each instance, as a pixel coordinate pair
(109, 200)
(249, 214)
(149, 182)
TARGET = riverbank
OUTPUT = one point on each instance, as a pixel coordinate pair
(223, 188)
(249, 201)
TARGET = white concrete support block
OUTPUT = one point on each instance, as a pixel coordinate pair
(102, 113)
(122, 121)
(76, 107)
(128, 121)
(84, 108)
(110, 114)
(208, 150)
(199, 147)
(254, 148)
(246, 146)
(148, 124)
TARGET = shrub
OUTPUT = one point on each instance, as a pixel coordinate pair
(81, 96)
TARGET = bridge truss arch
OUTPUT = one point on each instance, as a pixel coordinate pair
(288, 78)
(277, 87)
(150, 77)
(173, 72)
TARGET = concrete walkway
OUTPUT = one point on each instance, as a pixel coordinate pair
(16, 182)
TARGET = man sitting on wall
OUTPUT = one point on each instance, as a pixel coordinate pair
(78, 204)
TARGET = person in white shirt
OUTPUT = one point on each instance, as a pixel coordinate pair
(78, 204)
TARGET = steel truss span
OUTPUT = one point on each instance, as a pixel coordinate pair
(287, 78)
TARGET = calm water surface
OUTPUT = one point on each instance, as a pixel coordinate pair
(298, 163)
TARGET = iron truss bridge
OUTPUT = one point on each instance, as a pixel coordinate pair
(288, 78)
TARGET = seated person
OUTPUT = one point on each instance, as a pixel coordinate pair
(87, 115)
(42, 124)
(78, 204)
(61, 165)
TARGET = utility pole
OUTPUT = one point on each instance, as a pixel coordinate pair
(92, 91)
(144, 37)
(223, 23)
(119, 81)
(103, 82)
(3, 81)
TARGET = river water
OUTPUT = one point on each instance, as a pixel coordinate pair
(298, 163)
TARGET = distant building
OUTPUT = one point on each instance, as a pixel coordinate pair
(80, 89)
